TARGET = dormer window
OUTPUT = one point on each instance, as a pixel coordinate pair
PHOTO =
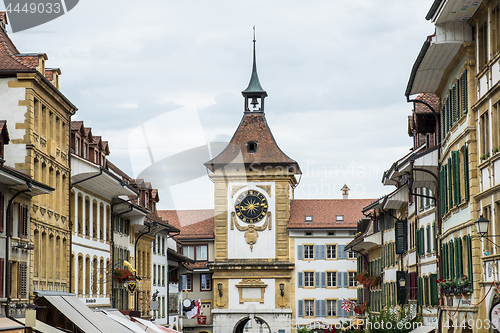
(308, 219)
(339, 218)
(252, 146)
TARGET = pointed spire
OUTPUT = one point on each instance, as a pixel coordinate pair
(254, 84)
(254, 89)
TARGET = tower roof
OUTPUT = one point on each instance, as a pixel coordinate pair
(254, 86)
(253, 128)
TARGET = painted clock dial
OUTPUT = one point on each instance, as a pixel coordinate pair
(251, 206)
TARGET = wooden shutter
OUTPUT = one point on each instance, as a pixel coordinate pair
(345, 279)
(458, 257)
(301, 308)
(456, 176)
(450, 183)
(451, 250)
(23, 279)
(444, 250)
(401, 236)
(401, 291)
(419, 291)
(466, 172)
(434, 289)
(317, 280)
(2, 275)
(341, 252)
(469, 258)
(299, 279)
(300, 252)
(339, 280)
(22, 219)
(323, 279)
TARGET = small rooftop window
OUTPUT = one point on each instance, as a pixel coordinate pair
(309, 218)
(339, 218)
(308, 233)
(252, 146)
(331, 233)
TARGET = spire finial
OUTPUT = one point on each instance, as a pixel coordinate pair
(254, 91)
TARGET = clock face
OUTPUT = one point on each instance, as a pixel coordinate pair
(251, 206)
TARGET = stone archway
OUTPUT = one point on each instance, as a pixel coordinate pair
(252, 325)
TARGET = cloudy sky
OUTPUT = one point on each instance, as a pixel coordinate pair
(168, 75)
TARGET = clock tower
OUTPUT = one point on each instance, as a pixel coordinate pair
(254, 181)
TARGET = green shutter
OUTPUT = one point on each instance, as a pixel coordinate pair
(434, 289)
(426, 290)
(466, 171)
(456, 176)
(452, 259)
(450, 183)
(443, 122)
(422, 241)
(469, 258)
(419, 291)
(445, 261)
(445, 186)
(382, 255)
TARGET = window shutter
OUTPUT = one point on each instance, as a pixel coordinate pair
(458, 257)
(342, 254)
(428, 239)
(434, 289)
(418, 241)
(456, 176)
(184, 282)
(419, 291)
(2, 274)
(339, 308)
(401, 232)
(445, 261)
(469, 258)
(451, 250)
(450, 183)
(401, 291)
(299, 252)
(443, 122)
(382, 256)
(345, 279)
(393, 254)
(323, 279)
(466, 172)
(323, 307)
(317, 281)
(434, 233)
(301, 308)
(299, 279)
(339, 280)
(317, 309)
(23, 278)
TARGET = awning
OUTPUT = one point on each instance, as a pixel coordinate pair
(41, 327)
(83, 317)
(423, 329)
(124, 321)
(11, 326)
(152, 327)
(397, 198)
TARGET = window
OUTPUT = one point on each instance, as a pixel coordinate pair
(252, 146)
(331, 251)
(187, 282)
(352, 255)
(308, 251)
(201, 252)
(154, 275)
(484, 135)
(495, 26)
(339, 218)
(195, 252)
(205, 282)
(429, 239)
(308, 233)
(308, 308)
(352, 282)
(331, 308)
(308, 279)
(482, 37)
(309, 218)
(331, 279)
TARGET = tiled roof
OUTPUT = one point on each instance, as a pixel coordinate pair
(96, 139)
(8, 52)
(253, 127)
(324, 212)
(76, 125)
(193, 224)
(430, 99)
(117, 170)
(196, 265)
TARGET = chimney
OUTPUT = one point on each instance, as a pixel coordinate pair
(345, 192)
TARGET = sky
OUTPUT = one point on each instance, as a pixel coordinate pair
(161, 81)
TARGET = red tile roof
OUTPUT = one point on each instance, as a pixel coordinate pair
(193, 224)
(253, 127)
(430, 99)
(324, 212)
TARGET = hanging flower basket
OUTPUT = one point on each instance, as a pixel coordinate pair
(368, 281)
(123, 275)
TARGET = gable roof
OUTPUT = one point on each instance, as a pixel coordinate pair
(253, 127)
(193, 224)
(324, 212)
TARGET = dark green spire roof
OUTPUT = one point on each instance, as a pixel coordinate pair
(254, 84)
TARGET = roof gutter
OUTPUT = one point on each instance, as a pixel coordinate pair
(416, 65)
(433, 9)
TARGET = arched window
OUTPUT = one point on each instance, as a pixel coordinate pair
(36, 253)
(87, 276)
(87, 217)
(101, 221)
(94, 219)
(80, 274)
(95, 268)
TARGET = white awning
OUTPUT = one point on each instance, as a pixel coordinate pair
(396, 199)
(9, 325)
(40, 326)
(83, 317)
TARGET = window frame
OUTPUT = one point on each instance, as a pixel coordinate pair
(308, 279)
(327, 252)
(209, 275)
(310, 251)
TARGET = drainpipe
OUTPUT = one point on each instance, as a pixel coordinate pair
(8, 227)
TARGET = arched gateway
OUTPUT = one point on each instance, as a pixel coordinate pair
(250, 325)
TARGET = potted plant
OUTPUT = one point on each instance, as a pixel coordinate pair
(123, 275)
(463, 284)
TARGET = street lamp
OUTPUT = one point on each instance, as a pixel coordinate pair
(282, 289)
(482, 225)
(402, 282)
(219, 287)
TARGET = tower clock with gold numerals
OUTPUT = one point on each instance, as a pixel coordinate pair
(251, 206)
